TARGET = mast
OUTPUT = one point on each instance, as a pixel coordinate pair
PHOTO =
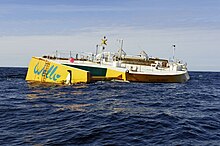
(96, 51)
(174, 48)
(120, 50)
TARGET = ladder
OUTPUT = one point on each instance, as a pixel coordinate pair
(44, 74)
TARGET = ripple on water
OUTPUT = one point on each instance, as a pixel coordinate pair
(109, 113)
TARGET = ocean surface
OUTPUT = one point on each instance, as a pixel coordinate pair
(109, 113)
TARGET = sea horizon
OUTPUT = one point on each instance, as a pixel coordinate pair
(188, 70)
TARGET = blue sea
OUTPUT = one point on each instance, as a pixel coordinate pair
(109, 113)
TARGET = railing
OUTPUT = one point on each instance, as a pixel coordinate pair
(84, 56)
(71, 54)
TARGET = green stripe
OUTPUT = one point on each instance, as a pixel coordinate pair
(95, 71)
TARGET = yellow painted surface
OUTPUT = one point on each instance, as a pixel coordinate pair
(116, 74)
(54, 72)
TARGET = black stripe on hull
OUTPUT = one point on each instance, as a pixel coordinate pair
(94, 71)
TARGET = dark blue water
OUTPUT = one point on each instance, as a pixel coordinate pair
(109, 113)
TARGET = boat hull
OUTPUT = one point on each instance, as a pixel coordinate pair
(45, 70)
(113, 73)
(55, 71)
(150, 78)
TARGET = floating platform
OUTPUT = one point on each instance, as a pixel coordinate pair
(62, 71)
(106, 66)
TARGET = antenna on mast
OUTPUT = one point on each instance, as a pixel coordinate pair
(120, 50)
(174, 49)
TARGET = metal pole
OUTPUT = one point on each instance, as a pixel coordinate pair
(174, 48)
(120, 53)
(56, 54)
(96, 51)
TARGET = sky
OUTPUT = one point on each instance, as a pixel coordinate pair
(35, 28)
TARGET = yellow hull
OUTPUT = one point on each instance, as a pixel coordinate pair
(116, 74)
(43, 70)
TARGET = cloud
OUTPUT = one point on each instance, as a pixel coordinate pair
(60, 19)
(199, 48)
(28, 29)
(63, 8)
